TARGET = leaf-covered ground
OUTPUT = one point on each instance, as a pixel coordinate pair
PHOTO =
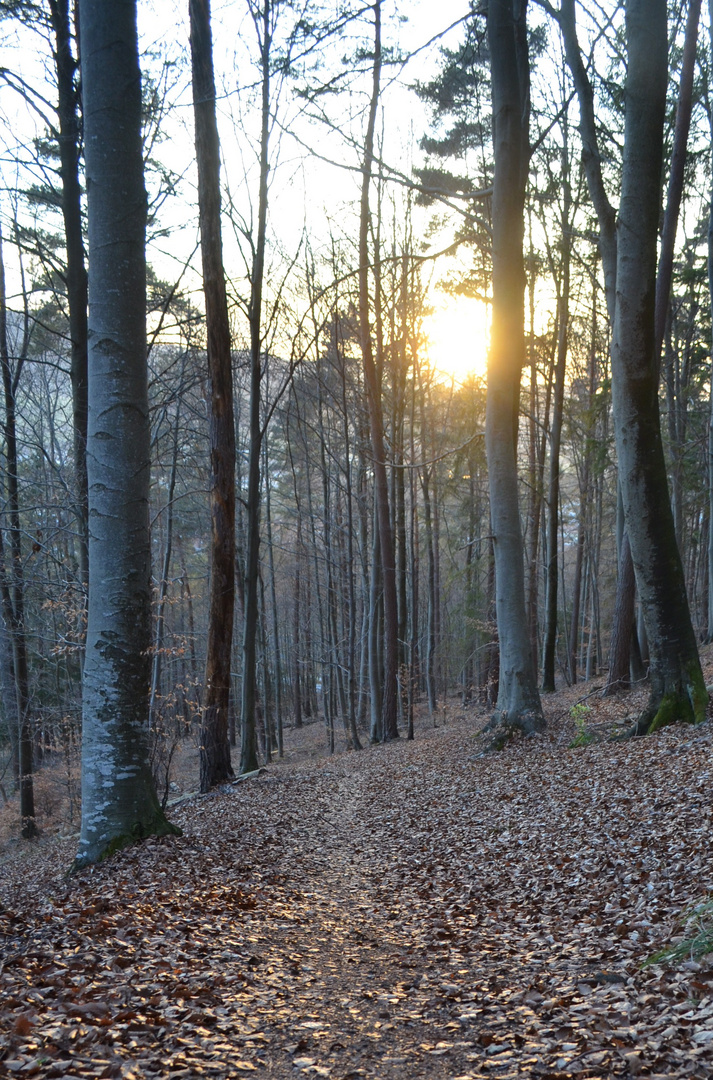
(415, 910)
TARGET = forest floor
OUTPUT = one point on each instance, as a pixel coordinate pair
(417, 910)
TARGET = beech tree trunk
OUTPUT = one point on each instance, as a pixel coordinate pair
(677, 687)
(518, 704)
(119, 802)
(215, 766)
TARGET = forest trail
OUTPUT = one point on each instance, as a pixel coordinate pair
(415, 910)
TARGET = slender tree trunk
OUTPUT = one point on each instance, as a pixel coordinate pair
(376, 730)
(709, 635)
(215, 765)
(431, 616)
(623, 627)
(119, 802)
(518, 699)
(275, 614)
(12, 581)
(351, 613)
(676, 174)
(552, 570)
(584, 498)
(68, 113)
(389, 702)
(248, 751)
(297, 631)
(165, 573)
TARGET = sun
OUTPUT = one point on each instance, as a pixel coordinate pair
(457, 336)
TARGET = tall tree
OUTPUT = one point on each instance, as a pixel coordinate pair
(372, 380)
(69, 139)
(553, 510)
(264, 19)
(215, 745)
(12, 587)
(678, 690)
(709, 635)
(518, 705)
(119, 802)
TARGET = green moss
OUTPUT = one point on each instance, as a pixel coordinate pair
(687, 706)
(159, 825)
(672, 707)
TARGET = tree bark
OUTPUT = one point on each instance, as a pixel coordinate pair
(12, 584)
(215, 766)
(606, 215)
(389, 699)
(518, 705)
(248, 744)
(68, 113)
(119, 802)
(676, 175)
(677, 687)
(553, 515)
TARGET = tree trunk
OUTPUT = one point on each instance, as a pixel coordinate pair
(709, 635)
(68, 113)
(215, 765)
(248, 746)
(12, 583)
(553, 516)
(275, 614)
(119, 802)
(518, 703)
(677, 687)
(165, 573)
(623, 627)
(389, 701)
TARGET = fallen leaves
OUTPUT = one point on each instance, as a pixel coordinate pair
(415, 910)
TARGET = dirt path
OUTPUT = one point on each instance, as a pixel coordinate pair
(413, 911)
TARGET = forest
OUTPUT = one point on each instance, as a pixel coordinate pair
(356, 538)
(308, 515)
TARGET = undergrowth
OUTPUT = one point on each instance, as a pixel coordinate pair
(698, 942)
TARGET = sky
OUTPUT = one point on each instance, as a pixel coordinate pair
(315, 170)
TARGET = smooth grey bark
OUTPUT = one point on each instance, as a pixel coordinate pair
(119, 802)
(215, 766)
(677, 686)
(518, 705)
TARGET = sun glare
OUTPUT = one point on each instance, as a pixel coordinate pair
(457, 336)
